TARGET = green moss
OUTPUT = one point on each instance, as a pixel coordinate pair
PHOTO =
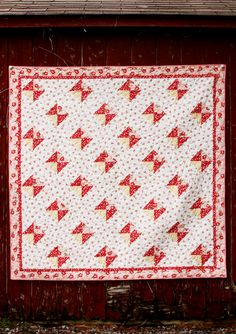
(7, 323)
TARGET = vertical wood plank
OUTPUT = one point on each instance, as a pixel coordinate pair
(135, 48)
(193, 299)
(193, 47)
(69, 299)
(19, 292)
(231, 152)
(44, 47)
(117, 297)
(185, 294)
(118, 50)
(93, 300)
(193, 293)
(44, 294)
(168, 47)
(69, 304)
(44, 300)
(93, 51)
(69, 49)
(4, 216)
(54, 48)
(143, 50)
(219, 299)
(217, 52)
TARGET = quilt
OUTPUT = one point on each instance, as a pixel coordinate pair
(117, 173)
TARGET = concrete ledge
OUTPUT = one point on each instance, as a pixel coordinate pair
(171, 327)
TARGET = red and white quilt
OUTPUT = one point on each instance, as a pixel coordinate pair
(117, 173)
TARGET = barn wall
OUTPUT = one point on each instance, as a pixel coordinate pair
(122, 301)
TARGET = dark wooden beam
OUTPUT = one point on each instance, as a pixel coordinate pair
(67, 21)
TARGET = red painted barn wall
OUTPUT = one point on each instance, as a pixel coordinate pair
(135, 300)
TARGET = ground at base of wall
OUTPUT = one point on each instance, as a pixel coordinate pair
(173, 327)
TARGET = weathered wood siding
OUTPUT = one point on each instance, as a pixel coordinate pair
(125, 301)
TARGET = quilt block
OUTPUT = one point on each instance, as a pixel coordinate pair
(117, 173)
